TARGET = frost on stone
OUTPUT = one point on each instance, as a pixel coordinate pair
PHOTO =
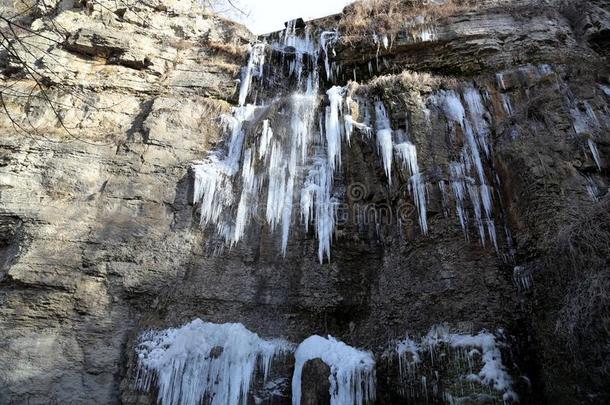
(204, 361)
(352, 371)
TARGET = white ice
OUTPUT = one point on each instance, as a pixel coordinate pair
(384, 138)
(254, 68)
(493, 373)
(352, 371)
(204, 360)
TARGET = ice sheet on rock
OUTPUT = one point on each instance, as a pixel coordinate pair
(350, 124)
(352, 371)
(452, 106)
(204, 360)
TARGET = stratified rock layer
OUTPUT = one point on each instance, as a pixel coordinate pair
(99, 238)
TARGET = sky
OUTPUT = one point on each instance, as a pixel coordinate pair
(269, 15)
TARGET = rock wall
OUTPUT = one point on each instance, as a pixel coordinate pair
(101, 238)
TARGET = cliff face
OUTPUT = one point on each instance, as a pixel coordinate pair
(100, 238)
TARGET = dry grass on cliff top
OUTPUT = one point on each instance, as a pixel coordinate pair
(388, 17)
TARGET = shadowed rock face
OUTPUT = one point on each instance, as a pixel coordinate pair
(315, 378)
(99, 236)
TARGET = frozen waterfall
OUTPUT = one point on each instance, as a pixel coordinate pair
(200, 360)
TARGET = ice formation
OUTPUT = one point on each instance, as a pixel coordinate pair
(467, 175)
(203, 360)
(334, 127)
(384, 138)
(595, 153)
(352, 371)
(492, 373)
(254, 68)
(408, 155)
(287, 150)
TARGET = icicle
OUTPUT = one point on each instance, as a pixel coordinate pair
(203, 360)
(418, 188)
(508, 108)
(333, 128)
(459, 190)
(327, 39)
(595, 153)
(408, 154)
(477, 117)
(385, 41)
(592, 188)
(254, 69)
(265, 140)
(384, 138)
(352, 372)
(316, 198)
(248, 199)
(476, 205)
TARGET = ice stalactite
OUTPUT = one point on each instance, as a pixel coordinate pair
(327, 40)
(383, 131)
(334, 128)
(407, 351)
(595, 153)
(201, 360)
(213, 187)
(408, 154)
(265, 140)
(317, 203)
(523, 278)
(352, 371)
(476, 113)
(254, 68)
(249, 192)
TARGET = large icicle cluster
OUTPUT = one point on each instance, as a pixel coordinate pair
(204, 361)
(467, 174)
(268, 168)
(352, 372)
(482, 346)
(270, 165)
